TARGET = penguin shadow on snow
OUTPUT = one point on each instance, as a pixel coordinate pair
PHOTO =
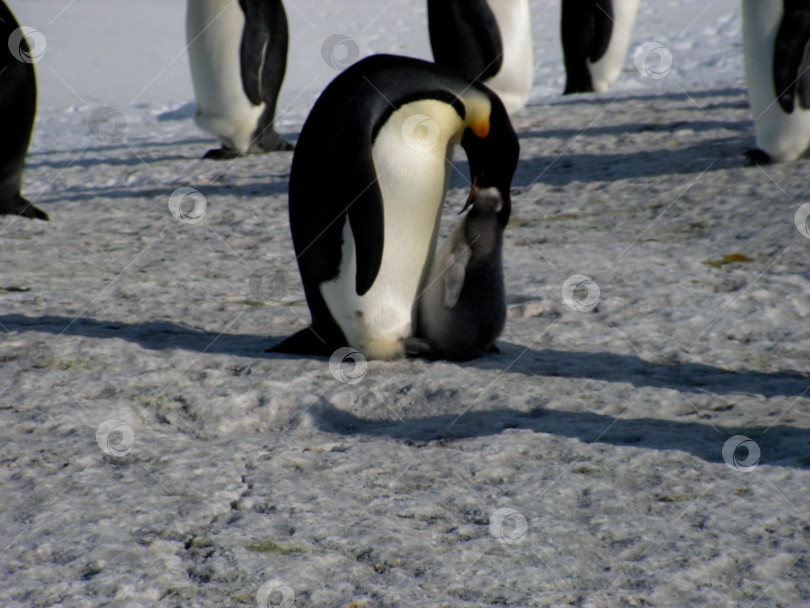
(604, 366)
(601, 99)
(111, 147)
(148, 195)
(780, 445)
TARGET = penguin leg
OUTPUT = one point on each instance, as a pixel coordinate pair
(756, 156)
(222, 153)
(17, 205)
(493, 349)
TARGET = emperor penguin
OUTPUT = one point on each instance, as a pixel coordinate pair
(18, 106)
(237, 51)
(367, 184)
(776, 34)
(486, 40)
(595, 38)
(462, 308)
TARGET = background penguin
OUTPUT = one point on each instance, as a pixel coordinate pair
(777, 71)
(238, 56)
(462, 309)
(18, 106)
(595, 39)
(367, 184)
(487, 40)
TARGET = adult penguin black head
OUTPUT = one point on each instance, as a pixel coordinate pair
(367, 184)
(493, 158)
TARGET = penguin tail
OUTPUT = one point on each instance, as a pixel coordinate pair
(17, 205)
(304, 342)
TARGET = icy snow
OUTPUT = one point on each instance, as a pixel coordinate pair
(155, 455)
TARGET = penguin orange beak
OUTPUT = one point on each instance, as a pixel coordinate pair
(480, 128)
(470, 198)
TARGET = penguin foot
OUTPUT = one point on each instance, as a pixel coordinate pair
(756, 156)
(492, 349)
(222, 153)
(271, 143)
(419, 347)
(22, 207)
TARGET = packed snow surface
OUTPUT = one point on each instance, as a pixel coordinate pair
(155, 455)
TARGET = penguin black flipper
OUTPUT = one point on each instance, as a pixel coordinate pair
(255, 38)
(586, 29)
(791, 58)
(263, 64)
(464, 35)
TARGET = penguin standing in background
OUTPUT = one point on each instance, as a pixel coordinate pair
(595, 39)
(367, 184)
(462, 309)
(776, 34)
(486, 40)
(18, 106)
(238, 56)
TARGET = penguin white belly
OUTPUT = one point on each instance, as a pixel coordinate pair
(411, 154)
(214, 35)
(513, 83)
(784, 137)
(607, 70)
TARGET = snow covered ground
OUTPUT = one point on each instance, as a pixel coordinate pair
(154, 454)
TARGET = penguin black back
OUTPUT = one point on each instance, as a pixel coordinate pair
(464, 35)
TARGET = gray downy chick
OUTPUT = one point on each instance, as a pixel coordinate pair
(462, 309)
